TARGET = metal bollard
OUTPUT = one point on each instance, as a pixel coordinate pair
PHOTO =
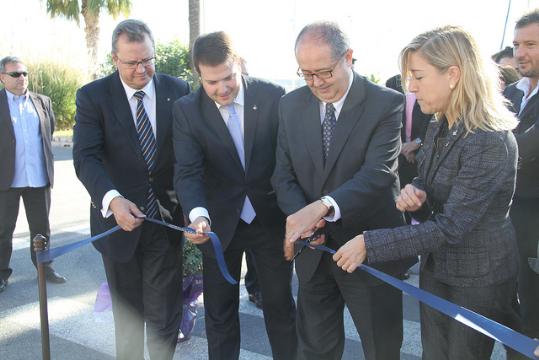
(40, 243)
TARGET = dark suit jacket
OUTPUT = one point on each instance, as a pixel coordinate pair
(420, 122)
(469, 241)
(360, 171)
(43, 106)
(208, 170)
(107, 154)
(527, 135)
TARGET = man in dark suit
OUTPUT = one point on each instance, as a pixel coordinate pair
(338, 143)
(122, 152)
(525, 207)
(224, 143)
(26, 164)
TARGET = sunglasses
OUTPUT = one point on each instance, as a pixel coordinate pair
(16, 74)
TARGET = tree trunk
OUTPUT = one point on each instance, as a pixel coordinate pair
(91, 29)
(194, 21)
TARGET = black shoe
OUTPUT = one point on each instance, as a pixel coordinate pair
(3, 285)
(404, 276)
(53, 277)
(256, 298)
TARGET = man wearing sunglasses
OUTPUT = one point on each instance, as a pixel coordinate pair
(26, 164)
(337, 149)
(122, 152)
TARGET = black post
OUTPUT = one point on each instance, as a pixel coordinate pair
(41, 244)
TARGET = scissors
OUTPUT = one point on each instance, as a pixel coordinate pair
(308, 240)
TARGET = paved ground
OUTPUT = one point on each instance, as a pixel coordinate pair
(77, 332)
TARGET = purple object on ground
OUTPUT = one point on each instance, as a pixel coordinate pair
(192, 288)
(102, 299)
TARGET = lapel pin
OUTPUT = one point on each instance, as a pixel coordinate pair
(168, 99)
(255, 107)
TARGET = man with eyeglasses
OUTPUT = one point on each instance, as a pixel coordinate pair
(338, 143)
(122, 152)
(26, 165)
(224, 141)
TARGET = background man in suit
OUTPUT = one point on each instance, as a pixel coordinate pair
(525, 207)
(339, 138)
(224, 143)
(123, 155)
(414, 128)
(26, 164)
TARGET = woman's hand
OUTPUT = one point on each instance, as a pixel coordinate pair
(411, 198)
(351, 255)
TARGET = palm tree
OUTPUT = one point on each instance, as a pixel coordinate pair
(194, 21)
(90, 10)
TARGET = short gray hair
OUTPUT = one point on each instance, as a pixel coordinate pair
(9, 60)
(329, 33)
(135, 31)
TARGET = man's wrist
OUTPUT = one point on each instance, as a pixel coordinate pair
(327, 203)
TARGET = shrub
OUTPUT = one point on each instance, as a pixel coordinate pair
(192, 259)
(60, 83)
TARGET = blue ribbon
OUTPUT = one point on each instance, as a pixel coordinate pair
(486, 326)
(50, 254)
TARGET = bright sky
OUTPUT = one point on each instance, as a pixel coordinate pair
(265, 31)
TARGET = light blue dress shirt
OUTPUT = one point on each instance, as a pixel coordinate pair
(30, 168)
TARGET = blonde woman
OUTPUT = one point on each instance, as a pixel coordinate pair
(466, 179)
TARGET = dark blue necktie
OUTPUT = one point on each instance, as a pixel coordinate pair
(149, 149)
(328, 125)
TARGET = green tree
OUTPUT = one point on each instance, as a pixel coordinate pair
(90, 11)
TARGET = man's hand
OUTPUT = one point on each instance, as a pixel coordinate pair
(201, 226)
(408, 149)
(126, 213)
(411, 198)
(288, 249)
(304, 222)
(351, 255)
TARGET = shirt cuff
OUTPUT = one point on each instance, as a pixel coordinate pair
(336, 211)
(111, 194)
(197, 212)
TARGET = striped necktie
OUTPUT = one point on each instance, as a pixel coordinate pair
(149, 149)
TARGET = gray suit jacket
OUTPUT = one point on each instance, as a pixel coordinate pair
(469, 239)
(43, 106)
(360, 171)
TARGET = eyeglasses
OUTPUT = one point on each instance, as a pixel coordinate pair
(322, 74)
(16, 74)
(134, 64)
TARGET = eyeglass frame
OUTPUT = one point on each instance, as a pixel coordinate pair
(311, 75)
(16, 74)
(134, 64)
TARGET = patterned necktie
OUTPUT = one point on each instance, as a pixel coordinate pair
(149, 148)
(328, 125)
(234, 127)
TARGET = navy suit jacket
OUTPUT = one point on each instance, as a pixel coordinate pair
(107, 155)
(208, 170)
(527, 135)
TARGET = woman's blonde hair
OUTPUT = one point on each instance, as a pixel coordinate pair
(476, 99)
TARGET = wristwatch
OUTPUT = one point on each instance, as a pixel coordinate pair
(418, 141)
(331, 210)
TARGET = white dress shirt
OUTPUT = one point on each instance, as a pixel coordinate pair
(149, 102)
